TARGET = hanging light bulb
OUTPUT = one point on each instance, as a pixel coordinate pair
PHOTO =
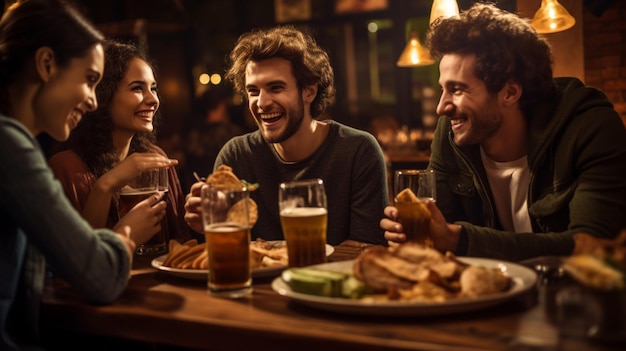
(552, 17)
(414, 54)
(444, 9)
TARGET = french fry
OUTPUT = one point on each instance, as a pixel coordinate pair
(205, 262)
(187, 257)
(193, 255)
(197, 263)
(174, 246)
(192, 242)
(178, 256)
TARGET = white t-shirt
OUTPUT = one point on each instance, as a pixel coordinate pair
(509, 186)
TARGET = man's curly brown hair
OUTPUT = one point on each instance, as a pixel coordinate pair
(506, 46)
(309, 62)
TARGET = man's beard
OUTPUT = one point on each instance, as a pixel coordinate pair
(295, 118)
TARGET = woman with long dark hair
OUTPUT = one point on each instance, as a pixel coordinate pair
(51, 60)
(117, 141)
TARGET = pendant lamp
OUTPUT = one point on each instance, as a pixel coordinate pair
(444, 9)
(552, 17)
(414, 54)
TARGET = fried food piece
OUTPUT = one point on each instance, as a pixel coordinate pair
(236, 213)
(593, 272)
(186, 260)
(415, 272)
(425, 292)
(192, 255)
(266, 254)
(407, 196)
(176, 249)
(225, 178)
(202, 261)
(478, 281)
(173, 246)
(414, 216)
(368, 269)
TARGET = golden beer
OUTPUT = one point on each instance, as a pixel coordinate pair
(228, 246)
(414, 221)
(304, 229)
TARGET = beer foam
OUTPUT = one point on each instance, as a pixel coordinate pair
(135, 192)
(303, 212)
(227, 227)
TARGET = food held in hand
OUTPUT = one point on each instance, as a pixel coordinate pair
(414, 217)
(224, 177)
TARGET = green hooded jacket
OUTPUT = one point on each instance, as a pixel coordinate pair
(577, 158)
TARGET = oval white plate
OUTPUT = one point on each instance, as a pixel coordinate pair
(202, 274)
(523, 279)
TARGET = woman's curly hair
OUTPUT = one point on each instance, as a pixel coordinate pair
(92, 139)
(310, 63)
(506, 46)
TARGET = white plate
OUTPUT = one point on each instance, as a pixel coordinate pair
(202, 274)
(523, 279)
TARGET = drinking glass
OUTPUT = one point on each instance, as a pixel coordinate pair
(164, 186)
(227, 233)
(303, 217)
(411, 215)
(139, 189)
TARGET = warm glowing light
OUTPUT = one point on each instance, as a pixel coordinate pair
(204, 79)
(444, 9)
(216, 79)
(552, 17)
(414, 54)
(372, 27)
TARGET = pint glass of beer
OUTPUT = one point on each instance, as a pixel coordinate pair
(303, 216)
(412, 187)
(137, 190)
(227, 233)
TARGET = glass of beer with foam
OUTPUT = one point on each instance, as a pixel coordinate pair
(137, 190)
(227, 233)
(303, 217)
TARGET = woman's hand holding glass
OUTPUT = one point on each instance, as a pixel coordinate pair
(132, 166)
(144, 219)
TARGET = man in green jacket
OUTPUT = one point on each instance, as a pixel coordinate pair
(523, 161)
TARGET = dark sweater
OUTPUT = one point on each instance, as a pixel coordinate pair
(351, 164)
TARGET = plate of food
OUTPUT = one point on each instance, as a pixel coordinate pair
(417, 283)
(189, 260)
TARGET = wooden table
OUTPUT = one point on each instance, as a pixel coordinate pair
(166, 312)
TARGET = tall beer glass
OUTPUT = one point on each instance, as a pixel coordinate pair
(227, 232)
(411, 188)
(303, 216)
